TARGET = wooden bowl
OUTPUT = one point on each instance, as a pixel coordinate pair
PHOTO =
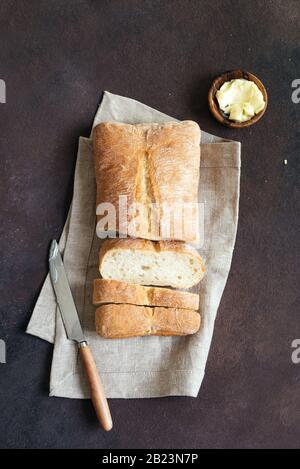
(214, 106)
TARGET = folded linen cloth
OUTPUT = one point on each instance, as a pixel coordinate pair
(144, 366)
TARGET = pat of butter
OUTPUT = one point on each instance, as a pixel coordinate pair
(241, 99)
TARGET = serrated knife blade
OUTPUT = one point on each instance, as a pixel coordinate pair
(64, 295)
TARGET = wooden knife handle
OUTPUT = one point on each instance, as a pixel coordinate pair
(97, 392)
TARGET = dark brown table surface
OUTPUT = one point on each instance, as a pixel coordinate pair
(56, 58)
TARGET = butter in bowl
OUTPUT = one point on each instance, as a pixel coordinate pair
(237, 99)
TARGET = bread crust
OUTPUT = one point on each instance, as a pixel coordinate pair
(117, 321)
(148, 245)
(114, 291)
(149, 164)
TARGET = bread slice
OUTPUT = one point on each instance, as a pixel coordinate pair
(120, 321)
(113, 291)
(163, 263)
(156, 167)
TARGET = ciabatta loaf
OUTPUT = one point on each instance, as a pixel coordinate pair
(120, 321)
(113, 291)
(156, 168)
(163, 263)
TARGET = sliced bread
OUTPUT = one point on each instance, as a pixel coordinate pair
(114, 291)
(117, 321)
(163, 263)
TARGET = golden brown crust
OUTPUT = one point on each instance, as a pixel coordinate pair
(149, 164)
(114, 291)
(117, 321)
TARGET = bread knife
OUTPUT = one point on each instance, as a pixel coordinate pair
(74, 332)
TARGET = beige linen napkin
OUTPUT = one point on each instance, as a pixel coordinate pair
(142, 366)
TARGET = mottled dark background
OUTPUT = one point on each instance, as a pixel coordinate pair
(56, 58)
